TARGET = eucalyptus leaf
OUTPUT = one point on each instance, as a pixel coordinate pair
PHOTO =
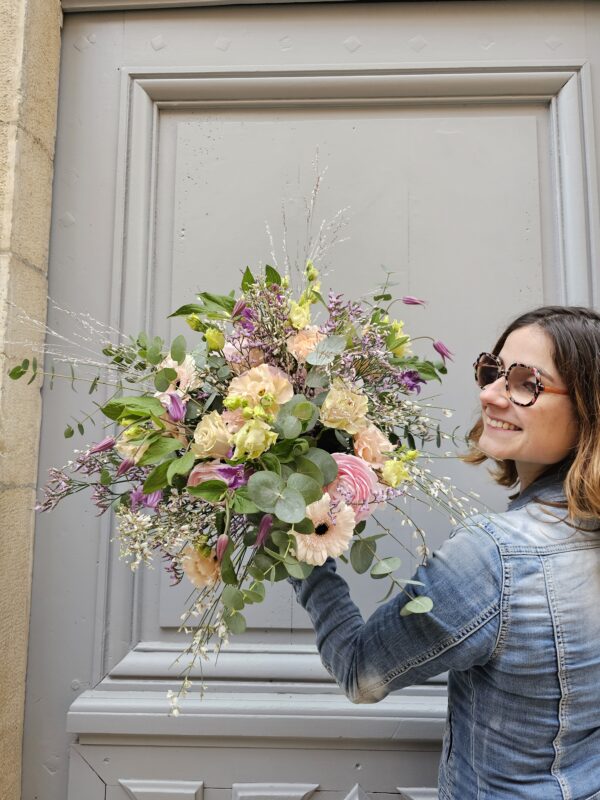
(264, 489)
(297, 569)
(419, 605)
(235, 622)
(232, 598)
(325, 462)
(361, 556)
(291, 427)
(308, 487)
(385, 567)
(326, 351)
(308, 467)
(178, 349)
(290, 507)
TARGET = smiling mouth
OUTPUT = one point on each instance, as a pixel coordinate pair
(499, 424)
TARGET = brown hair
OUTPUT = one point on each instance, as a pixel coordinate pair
(575, 335)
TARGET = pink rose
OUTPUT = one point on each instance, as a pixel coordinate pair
(356, 484)
(207, 471)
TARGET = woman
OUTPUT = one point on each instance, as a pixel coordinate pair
(516, 616)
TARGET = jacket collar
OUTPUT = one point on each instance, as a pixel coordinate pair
(548, 487)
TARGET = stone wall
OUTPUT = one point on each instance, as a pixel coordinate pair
(29, 62)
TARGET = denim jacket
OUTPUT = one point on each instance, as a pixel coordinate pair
(516, 622)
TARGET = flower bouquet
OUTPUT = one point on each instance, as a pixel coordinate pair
(264, 448)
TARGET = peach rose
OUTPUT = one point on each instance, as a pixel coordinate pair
(264, 385)
(356, 484)
(301, 344)
(243, 357)
(201, 566)
(372, 446)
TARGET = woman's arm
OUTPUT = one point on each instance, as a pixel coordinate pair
(370, 659)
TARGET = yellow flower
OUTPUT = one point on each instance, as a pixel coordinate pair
(253, 439)
(301, 344)
(400, 340)
(215, 339)
(394, 473)
(299, 315)
(211, 437)
(257, 384)
(201, 566)
(312, 273)
(344, 408)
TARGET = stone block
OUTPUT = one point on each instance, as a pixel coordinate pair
(32, 202)
(12, 15)
(40, 68)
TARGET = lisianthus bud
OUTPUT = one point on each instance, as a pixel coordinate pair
(214, 339)
(194, 321)
(394, 473)
(299, 315)
(312, 273)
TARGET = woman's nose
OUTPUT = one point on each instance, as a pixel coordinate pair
(495, 393)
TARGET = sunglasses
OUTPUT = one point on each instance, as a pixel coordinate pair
(523, 384)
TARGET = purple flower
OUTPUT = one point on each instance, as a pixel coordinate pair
(135, 498)
(234, 476)
(264, 529)
(175, 406)
(238, 308)
(125, 466)
(441, 348)
(222, 543)
(103, 446)
(409, 300)
(411, 380)
(152, 500)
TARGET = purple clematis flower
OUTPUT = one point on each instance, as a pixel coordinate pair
(175, 407)
(409, 300)
(152, 500)
(234, 476)
(238, 308)
(264, 529)
(135, 498)
(411, 380)
(441, 348)
(138, 499)
(125, 466)
(103, 446)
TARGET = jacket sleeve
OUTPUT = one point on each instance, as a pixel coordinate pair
(389, 651)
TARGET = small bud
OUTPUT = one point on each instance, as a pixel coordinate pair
(194, 321)
(214, 339)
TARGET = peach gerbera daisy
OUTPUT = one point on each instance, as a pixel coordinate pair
(334, 526)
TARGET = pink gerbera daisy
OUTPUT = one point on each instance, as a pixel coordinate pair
(334, 526)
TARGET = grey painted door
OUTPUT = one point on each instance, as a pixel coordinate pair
(458, 139)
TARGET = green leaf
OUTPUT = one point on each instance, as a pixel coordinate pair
(211, 491)
(383, 297)
(427, 371)
(304, 410)
(17, 372)
(419, 605)
(154, 355)
(325, 462)
(216, 306)
(247, 280)
(178, 349)
(184, 311)
(385, 567)
(68, 432)
(264, 489)
(157, 479)
(317, 380)
(80, 428)
(361, 526)
(236, 622)
(262, 562)
(163, 378)
(361, 556)
(308, 487)
(326, 351)
(232, 598)
(121, 406)
(282, 539)
(271, 462)
(105, 477)
(291, 427)
(308, 467)
(242, 503)
(272, 276)
(34, 366)
(94, 385)
(297, 569)
(304, 526)
(180, 466)
(158, 450)
(291, 506)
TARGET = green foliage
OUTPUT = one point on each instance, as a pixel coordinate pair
(385, 567)
(418, 605)
(211, 491)
(326, 351)
(157, 479)
(158, 449)
(180, 466)
(248, 280)
(325, 462)
(272, 276)
(178, 349)
(361, 555)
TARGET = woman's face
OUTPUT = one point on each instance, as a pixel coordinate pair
(539, 435)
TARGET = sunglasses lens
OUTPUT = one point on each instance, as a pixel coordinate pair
(487, 371)
(522, 384)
